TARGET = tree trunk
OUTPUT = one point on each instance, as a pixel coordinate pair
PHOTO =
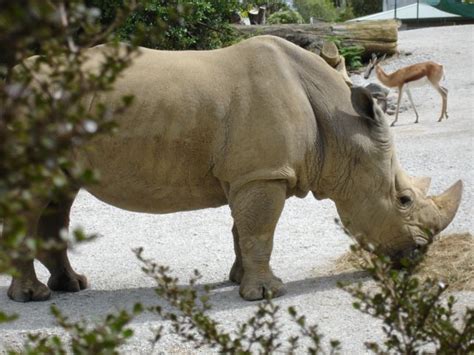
(375, 36)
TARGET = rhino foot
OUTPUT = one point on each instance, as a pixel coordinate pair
(236, 272)
(67, 282)
(258, 289)
(28, 290)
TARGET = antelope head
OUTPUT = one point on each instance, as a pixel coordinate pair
(373, 62)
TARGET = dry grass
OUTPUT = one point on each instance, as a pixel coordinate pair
(449, 259)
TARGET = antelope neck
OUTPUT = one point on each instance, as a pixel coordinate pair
(384, 78)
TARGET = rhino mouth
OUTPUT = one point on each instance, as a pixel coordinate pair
(412, 256)
(421, 240)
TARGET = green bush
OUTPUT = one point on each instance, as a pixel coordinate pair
(363, 7)
(351, 54)
(286, 16)
(323, 10)
(345, 13)
(271, 6)
(189, 24)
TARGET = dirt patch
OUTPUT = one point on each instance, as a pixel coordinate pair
(450, 259)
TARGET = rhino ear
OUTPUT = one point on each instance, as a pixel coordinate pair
(364, 105)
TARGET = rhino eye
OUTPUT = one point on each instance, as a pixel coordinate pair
(405, 200)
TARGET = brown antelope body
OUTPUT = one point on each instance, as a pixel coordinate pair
(419, 74)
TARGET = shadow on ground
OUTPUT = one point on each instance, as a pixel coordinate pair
(94, 304)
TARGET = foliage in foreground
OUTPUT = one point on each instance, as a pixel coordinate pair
(83, 337)
(44, 113)
(415, 314)
(189, 319)
(416, 318)
(43, 117)
(40, 121)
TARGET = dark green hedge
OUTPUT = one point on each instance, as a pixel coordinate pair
(190, 24)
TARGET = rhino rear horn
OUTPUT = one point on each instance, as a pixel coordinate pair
(423, 183)
(448, 203)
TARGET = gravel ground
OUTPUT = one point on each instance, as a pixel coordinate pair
(306, 242)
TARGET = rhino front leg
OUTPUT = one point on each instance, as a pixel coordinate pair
(53, 220)
(256, 208)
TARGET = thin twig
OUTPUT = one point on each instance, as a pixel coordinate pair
(64, 20)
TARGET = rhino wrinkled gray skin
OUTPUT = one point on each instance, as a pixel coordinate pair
(249, 126)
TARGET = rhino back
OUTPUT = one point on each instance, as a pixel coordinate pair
(202, 121)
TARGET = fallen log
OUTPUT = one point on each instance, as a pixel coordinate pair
(374, 36)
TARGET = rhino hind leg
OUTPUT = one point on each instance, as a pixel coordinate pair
(53, 220)
(237, 270)
(27, 287)
(256, 208)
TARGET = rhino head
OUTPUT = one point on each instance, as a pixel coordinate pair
(385, 207)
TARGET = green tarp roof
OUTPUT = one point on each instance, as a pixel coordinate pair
(412, 11)
(456, 7)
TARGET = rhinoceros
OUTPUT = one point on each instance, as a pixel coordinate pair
(248, 126)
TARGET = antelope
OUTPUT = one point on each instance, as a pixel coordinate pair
(414, 75)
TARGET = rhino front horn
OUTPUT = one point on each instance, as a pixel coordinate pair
(448, 203)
